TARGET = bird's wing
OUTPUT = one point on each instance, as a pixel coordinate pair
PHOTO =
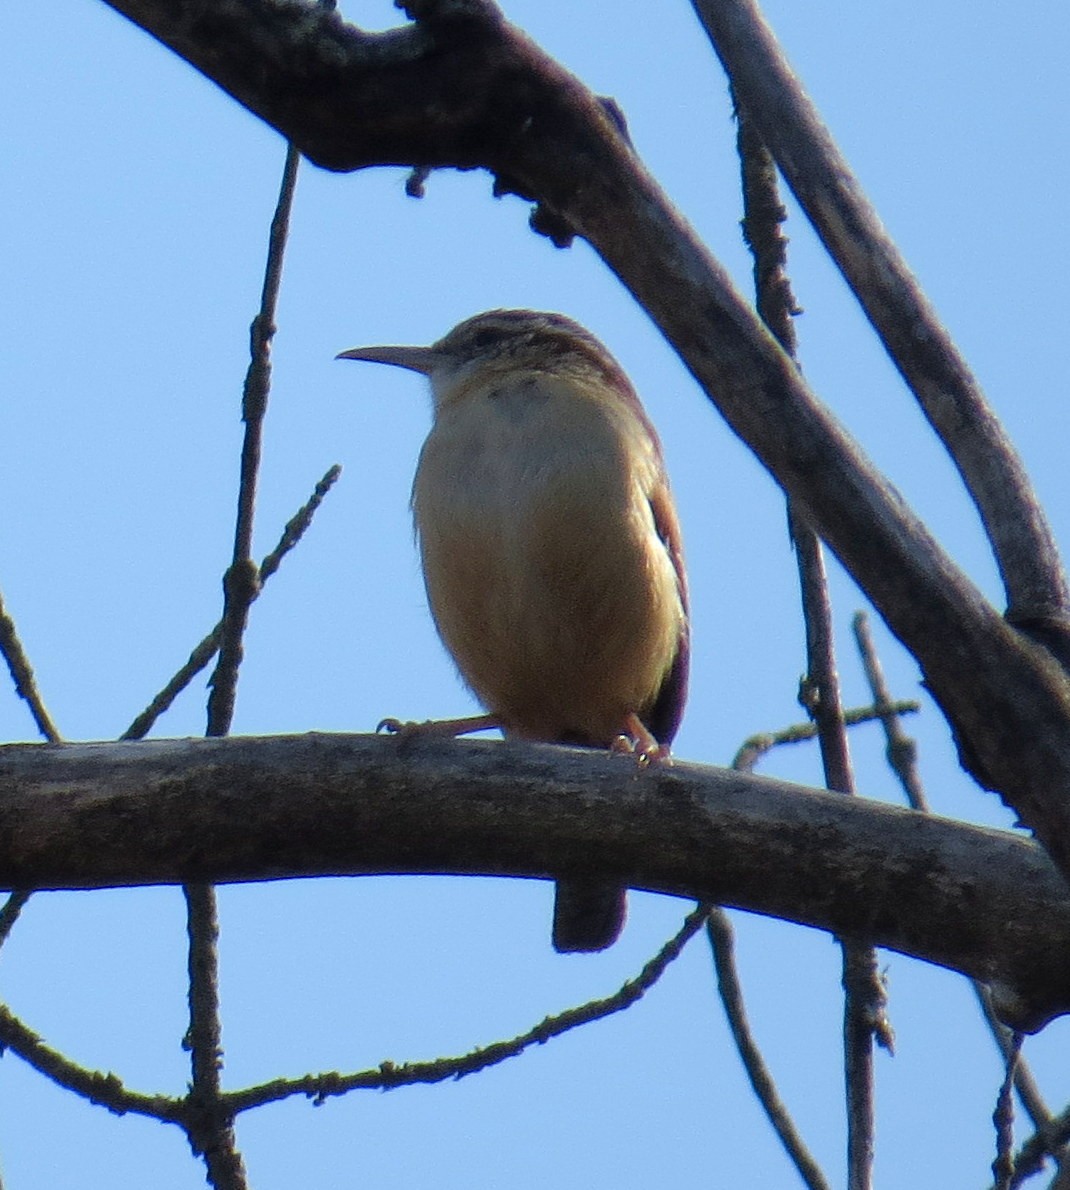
(668, 709)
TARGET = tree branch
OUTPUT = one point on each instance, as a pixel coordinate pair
(979, 901)
(909, 328)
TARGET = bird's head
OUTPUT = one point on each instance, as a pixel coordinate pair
(502, 343)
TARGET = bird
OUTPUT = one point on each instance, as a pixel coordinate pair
(551, 553)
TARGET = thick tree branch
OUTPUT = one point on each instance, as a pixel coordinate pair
(462, 88)
(984, 902)
(916, 340)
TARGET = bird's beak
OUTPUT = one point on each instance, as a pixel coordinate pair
(416, 359)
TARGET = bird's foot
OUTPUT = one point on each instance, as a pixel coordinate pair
(637, 740)
(436, 727)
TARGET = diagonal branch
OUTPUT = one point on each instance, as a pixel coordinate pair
(389, 1075)
(722, 942)
(917, 342)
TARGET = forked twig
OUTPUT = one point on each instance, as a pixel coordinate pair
(206, 650)
(109, 1091)
(756, 746)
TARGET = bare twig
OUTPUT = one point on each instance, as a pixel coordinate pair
(1003, 1118)
(900, 749)
(864, 1000)
(822, 181)
(902, 753)
(1029, 1159)
(389, 1075)
(9, 914)
(864, 1005)
(22, 675)
(207, 1122)
(206, 650)
(207, 1111)
(103, 1089)
(18, 663)
(864, 1021)
(1024, 1082)
(756, 746)
(209, 1126)
(240, 584)
(719, 930)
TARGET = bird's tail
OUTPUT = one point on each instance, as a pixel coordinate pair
(588, 915)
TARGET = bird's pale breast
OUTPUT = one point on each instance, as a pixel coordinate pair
(547, 578)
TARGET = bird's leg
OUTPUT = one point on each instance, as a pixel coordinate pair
(637, 739)
(439, 727)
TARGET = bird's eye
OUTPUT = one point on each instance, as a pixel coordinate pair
(485, 337)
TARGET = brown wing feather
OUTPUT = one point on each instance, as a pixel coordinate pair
(664, 716)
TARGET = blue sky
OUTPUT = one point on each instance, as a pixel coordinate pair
(133, 220)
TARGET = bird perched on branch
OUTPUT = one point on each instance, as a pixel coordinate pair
(551, 552)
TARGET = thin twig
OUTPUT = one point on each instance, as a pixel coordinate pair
(756, 746)
(103, 1089)
(241, 580)
(12, 907)
(22, 675)
(1003, 1119)
(208, 1124)
(1029, 1159)
(210, 1127)
(108, 1090)
(902, 753)
(763, 214)
(388, 1075)
(900, 749)
(18, 663)
(864, 1005)
(864, 1017)
(719, 931)
(206, 650)
(1024, 1082)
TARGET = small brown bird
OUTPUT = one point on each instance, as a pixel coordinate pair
(551, 551)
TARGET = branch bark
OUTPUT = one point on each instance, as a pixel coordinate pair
(463, 88)
(916, 341)
(984, 902)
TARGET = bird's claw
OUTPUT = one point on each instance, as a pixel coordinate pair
(645, 753)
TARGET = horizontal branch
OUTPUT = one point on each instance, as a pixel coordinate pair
(983, 902)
